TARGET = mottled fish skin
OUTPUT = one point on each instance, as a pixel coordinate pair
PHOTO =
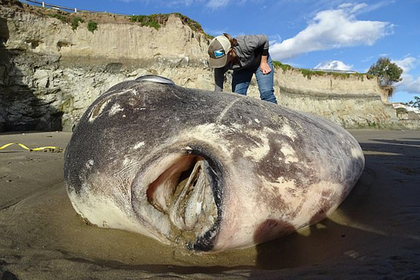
(205, 170)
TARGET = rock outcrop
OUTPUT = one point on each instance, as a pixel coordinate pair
(50, 71)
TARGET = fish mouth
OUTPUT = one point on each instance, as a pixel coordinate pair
(188, 193)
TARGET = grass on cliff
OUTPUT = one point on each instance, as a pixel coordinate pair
(153, 21)
(310, 73)
(74, 21)
(157, 20)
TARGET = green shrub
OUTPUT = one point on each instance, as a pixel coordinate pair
(134, 18)
(153, 24)
(284, 67)
(60, 17)
(75, 22)
(150, 21)
(92, 26)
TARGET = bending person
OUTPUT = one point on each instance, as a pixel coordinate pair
(245, 55)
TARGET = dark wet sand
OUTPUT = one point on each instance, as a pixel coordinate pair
(375, 234)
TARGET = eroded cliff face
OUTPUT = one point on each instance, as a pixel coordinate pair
(50, 72)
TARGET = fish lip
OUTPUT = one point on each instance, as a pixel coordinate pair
(141, 189)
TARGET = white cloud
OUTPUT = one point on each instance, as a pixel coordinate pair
(333, 65)
(376, 6)
(406, 63)
(216, 4)
(332, 29)
(409, 83)
(220, 4)
(353, 7)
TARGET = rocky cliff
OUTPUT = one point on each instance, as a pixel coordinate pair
(53, 65)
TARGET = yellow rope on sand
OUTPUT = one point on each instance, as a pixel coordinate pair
(29, 149)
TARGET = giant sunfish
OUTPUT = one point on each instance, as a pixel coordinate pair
(204, 170)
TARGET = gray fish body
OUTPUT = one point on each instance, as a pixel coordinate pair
(210, 171)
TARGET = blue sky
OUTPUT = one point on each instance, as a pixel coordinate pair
(327, 34)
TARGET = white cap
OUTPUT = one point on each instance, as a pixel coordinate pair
(218, 51)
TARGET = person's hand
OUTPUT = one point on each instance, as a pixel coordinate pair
(265, 68)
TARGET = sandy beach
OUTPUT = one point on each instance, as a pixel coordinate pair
(374, 234)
